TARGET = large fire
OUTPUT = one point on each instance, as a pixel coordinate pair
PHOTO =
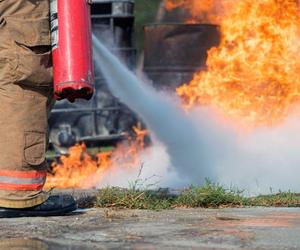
(79, 169)
(253, 76)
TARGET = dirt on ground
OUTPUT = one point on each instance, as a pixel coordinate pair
(242, 228)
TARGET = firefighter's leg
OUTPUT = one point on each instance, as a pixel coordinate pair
(25, 97)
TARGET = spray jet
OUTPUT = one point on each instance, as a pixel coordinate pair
(162, 115)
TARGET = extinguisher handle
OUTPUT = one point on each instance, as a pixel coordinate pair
(89, 1)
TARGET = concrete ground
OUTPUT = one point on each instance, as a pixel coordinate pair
(243, 228)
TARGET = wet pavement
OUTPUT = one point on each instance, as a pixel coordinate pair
(244, 228)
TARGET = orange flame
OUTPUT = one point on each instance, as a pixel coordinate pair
(81, 170)
(201, 11)
(253, 76)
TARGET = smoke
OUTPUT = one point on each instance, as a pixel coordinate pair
(263, 160)
(258, 161)
(198, 145)
(152, 173)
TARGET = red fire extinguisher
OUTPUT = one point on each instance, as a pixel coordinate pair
(73, 70)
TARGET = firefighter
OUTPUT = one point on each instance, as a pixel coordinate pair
(25, 103)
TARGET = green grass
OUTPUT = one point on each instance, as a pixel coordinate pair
(282, 199)
(132, 199)
(209, 195)
(96, 150)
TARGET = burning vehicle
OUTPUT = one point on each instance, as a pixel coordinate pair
(103, 120)
(236, 57)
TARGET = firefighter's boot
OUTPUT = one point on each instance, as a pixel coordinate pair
(56, 205)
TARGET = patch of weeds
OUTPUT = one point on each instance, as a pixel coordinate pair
(138, 196)
(209, 195)
(132, 199)
(282, 199)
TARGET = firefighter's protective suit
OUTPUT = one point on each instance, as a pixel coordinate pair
(25, 101)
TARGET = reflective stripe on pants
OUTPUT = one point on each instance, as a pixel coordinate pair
(21, 180)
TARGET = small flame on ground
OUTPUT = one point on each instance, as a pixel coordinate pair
(79, 169)
(253, 76)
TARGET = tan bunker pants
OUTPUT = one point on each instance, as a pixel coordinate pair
(25, 101)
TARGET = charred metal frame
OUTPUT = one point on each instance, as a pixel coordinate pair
(107, 14)
(182, 49)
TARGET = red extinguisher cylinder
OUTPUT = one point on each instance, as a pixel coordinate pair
(71, 34)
